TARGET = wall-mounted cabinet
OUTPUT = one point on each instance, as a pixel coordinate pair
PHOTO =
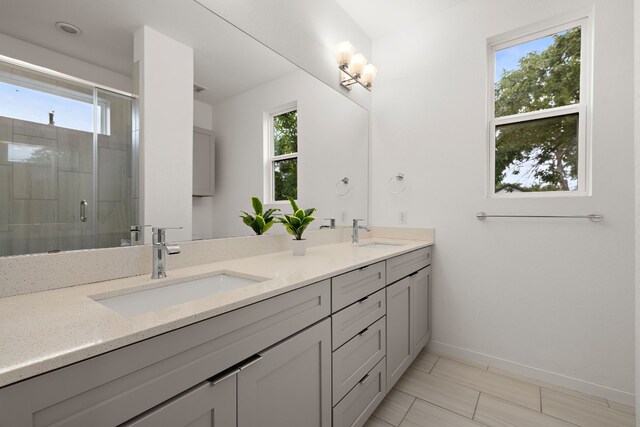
(204, 160)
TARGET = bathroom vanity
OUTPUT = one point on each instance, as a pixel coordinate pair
(319, 343)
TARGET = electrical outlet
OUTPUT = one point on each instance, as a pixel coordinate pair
(403, 217)
(343, 217)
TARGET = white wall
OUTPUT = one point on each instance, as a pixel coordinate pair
(332, 142)
(551, 299)
(202, 206)
(637, 181)
(166, 131)
(303, 31)
(33, 54)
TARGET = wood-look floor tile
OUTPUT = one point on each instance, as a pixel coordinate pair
(376, 422)
(447, 394)
(582, 412)
(622, 408)
(425, 361)
(496, 412)
(508, 388)
(394, 407)
(593, 399)
(424, 414)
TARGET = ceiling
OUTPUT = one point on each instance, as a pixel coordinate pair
(378, 18)
(227, 61)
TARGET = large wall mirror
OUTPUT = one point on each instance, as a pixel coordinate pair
(69, 160)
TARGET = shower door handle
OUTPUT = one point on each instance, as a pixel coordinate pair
(83, 210)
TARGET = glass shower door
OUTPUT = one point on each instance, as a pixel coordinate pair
(117, 170)
(46, 163)
(68, 164)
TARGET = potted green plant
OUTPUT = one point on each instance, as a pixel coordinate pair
(260, 221)
(296, 224)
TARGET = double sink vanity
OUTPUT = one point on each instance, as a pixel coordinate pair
(264, 340)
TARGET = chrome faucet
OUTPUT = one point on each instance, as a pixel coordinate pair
(137, 234)
(161, 250)
(355, 238)
(332, 223)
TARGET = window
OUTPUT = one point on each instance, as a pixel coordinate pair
(32, 97)
(538, 113)
(282, 156)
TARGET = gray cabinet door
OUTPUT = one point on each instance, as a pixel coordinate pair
(211, 404)
(399, 330)
(203, 162)
(290, 385)
(421, 284)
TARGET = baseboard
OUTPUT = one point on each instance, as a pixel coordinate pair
(534, 373)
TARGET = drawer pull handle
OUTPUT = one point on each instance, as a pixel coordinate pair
(234, 369)
(223, 375)
(364, 380)
(364, 331)
(363, 299)
(249, 361)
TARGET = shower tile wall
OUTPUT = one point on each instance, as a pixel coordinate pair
(40, 194)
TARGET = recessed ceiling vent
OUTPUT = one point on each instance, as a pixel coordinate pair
(197, 88)
(69, 29)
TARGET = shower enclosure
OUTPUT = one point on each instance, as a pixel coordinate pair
(68, 164)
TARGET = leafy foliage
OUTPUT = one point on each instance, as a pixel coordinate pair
(545, 148)
(260, 222)
(285, 133)
(285, 179)
(285, 141)
(298, 222)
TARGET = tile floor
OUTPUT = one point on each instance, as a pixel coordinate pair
(437, 391)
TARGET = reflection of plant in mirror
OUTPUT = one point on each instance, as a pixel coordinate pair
(260, 221)
(298, 222)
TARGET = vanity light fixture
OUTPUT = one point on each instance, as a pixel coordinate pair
(353, 67)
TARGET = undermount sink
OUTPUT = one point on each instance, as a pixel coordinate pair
(380, 245)
(147, 300)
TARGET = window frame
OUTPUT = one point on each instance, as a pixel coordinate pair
(582, 109)
(269, 154)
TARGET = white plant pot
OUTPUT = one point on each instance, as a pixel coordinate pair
(299, 247)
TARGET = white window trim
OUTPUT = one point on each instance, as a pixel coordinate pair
(523, 35)
(270, 158)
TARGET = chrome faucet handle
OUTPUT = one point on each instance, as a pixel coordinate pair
(357, 225)
(159, 233)
(138, 227)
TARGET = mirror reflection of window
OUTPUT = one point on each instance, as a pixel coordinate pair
(283, 155)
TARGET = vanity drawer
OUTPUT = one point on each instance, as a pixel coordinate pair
(357, 357)
(406, 264)
(354, 285)
(353, 319)
(356, 407)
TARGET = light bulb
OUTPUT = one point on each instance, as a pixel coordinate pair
(344, 52)
(356, 66)
(369, 74)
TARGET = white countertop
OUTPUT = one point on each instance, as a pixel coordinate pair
(47, 330)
